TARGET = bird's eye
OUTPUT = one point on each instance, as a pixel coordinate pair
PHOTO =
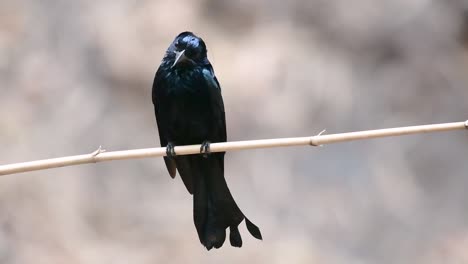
(178, 44)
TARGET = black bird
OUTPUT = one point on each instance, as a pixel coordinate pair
(189, 110)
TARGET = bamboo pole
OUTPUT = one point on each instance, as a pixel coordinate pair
(100, 155)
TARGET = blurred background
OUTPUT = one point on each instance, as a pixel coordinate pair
(78, 74)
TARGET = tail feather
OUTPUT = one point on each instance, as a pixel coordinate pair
(214, 238)
(213, 235)
(253, 229)
(214, 207)
(200, 205)
(235, 237)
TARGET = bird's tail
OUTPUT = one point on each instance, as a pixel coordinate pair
(214, 209)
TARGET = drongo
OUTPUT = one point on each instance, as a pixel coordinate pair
(189, 110)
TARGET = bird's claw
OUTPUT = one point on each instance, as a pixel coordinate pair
(170, 152)
(205, 148)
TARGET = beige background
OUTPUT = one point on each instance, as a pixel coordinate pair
(77, 74)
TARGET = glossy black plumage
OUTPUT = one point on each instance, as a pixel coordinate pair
(189, 110)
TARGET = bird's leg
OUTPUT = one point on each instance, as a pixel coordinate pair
(170, 152)
(205, 148)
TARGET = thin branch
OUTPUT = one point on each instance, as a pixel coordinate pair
(100, 155)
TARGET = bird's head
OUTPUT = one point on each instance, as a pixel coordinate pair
(187, 50)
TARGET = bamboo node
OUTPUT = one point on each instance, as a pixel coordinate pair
(312, 142)
(312, 139)
(97, 152)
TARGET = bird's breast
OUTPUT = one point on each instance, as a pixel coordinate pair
(189, 101)
(182, 82)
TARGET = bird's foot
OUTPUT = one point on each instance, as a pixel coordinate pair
(170, 152)
(205, 148)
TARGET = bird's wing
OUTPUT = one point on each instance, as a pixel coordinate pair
(158, 95)
(217, 103)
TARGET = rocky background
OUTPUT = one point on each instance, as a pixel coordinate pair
(77, 74)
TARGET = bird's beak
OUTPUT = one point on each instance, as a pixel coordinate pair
(179, 57)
